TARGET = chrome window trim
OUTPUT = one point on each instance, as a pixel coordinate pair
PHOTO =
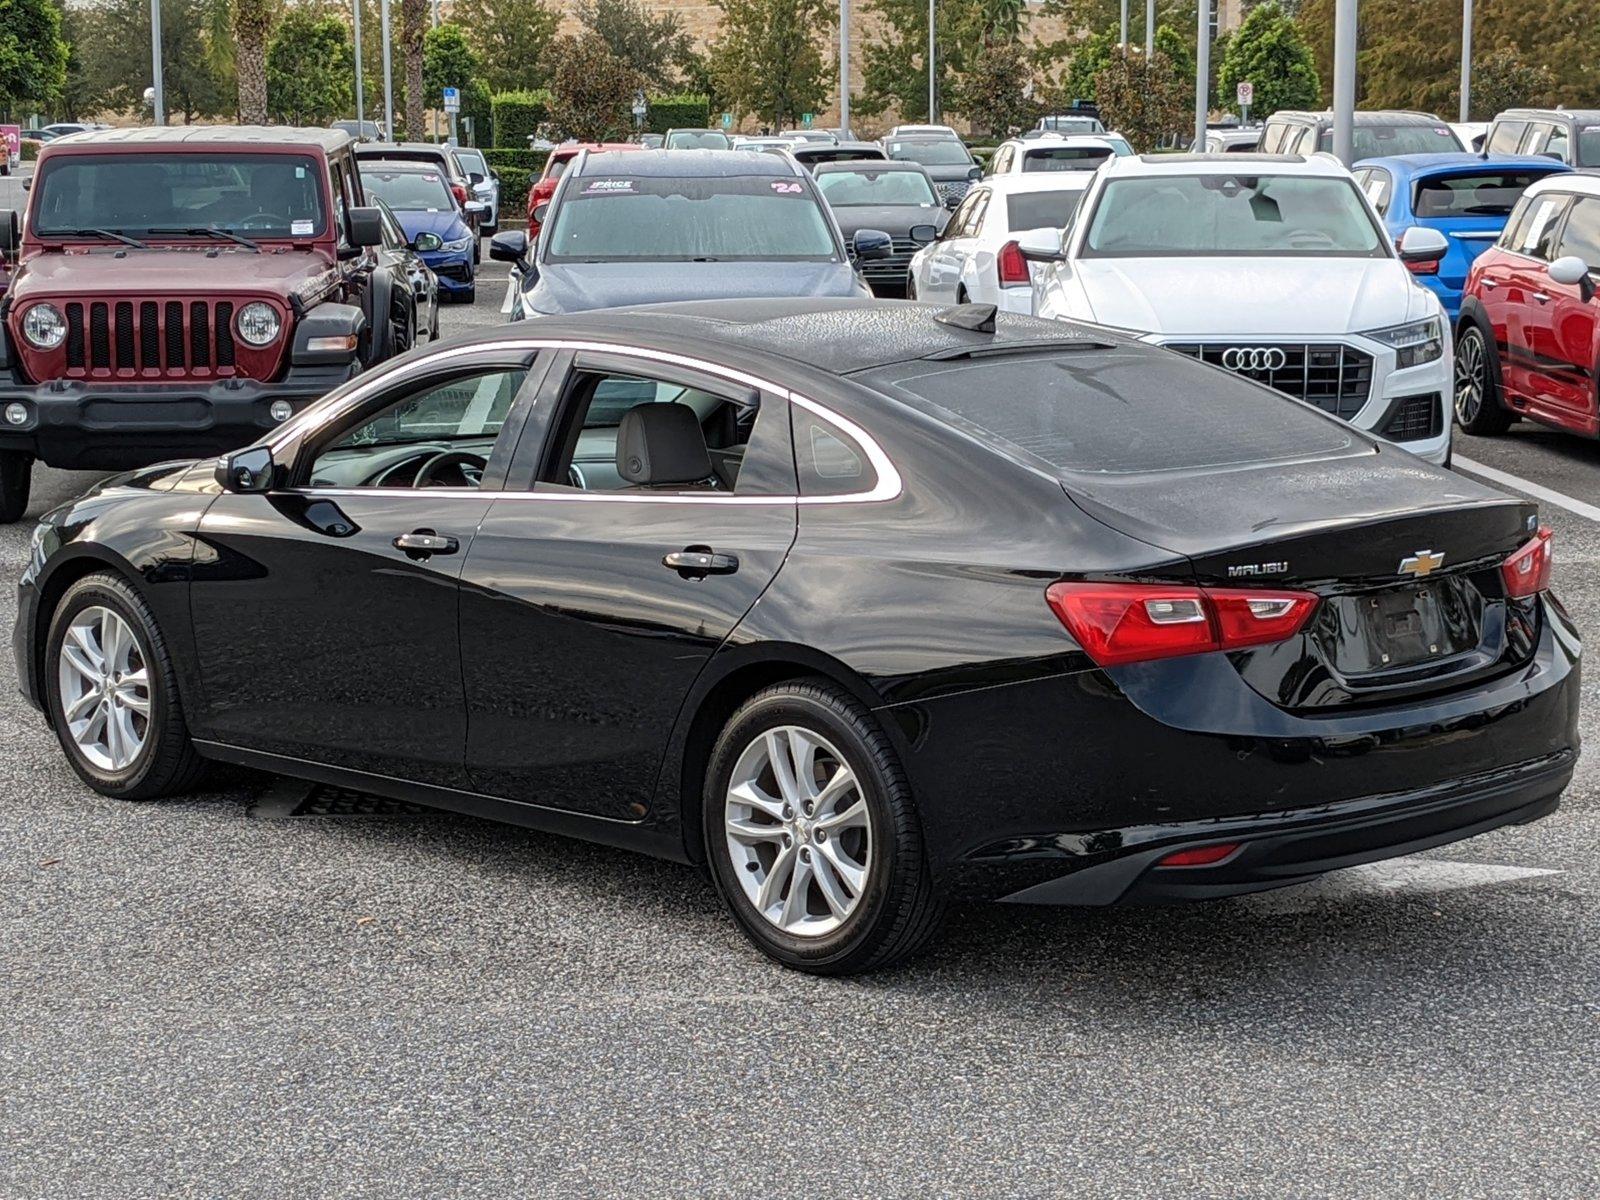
(888, 486)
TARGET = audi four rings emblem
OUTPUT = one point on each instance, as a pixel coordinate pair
(1254, 358)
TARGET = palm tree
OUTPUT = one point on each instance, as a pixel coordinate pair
(252, 23)
(414, 27)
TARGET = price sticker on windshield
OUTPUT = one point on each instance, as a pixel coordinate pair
(788, 188)
(300, 228)
(608, 187)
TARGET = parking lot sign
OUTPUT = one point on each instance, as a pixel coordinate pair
(807, 118)
(1247, 94)
(727, 120)
(452, 100)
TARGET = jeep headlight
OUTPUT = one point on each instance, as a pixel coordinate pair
(258, 323)
(457, 246)
(1414, 344)
(44, 326)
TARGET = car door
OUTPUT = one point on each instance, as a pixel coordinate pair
(1574, 312)
(325, 611)
(1530, 329)
(416, 275)
(593, 596)
(953, 251)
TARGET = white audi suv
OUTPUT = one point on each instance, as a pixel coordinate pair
(1271, 266)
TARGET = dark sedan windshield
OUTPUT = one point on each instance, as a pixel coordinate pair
(259, 195)
(632, 218)
(853, 189)
(1377, 141)
(936, 152)
(410, 191)
(1066, 158)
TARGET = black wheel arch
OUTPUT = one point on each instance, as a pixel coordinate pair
(65, 569)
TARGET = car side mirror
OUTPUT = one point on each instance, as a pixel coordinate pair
(365, 227)
(923, 234)
(1422, 245)
(475, 207)
(474, 178)
(427, 241)
(1041, 245)
(975, 174)
(1570, 270)
(510, 246)
(247, 470)
(871, 244)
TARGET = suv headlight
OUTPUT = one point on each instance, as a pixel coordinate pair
(44, 326)
(460, 244)
(258, 323)
(1414, 344)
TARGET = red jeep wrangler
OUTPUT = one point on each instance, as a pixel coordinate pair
(176, 291)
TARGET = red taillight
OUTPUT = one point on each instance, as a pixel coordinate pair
(1427, 267)
(459, 190)
(1119, 623)
(1011, 266)
(1200, 856)
(1527, 572)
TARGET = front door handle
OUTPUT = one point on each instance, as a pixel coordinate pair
(1488, 284)
(696, 562)
(422, 543)
(1541, 298)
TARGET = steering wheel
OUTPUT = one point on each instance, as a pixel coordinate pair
(466, 468)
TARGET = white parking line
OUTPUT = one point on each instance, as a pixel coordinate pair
(1407, 876)
(1528, 488)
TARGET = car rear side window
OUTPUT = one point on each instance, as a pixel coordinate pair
(829, 461)
(1535, 231)
(1581, 235)
(1117, 412)
(1504, 137)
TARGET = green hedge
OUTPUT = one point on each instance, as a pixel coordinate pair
(682, 111)
(518, 169)
(30, 149)
(517, 115)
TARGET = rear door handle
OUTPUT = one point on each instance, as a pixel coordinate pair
(696, 562)
(1489, 284)
(1541, 298)
(421, 543)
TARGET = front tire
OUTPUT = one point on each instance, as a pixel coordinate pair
(16, 481)
(112, 692)
(1478, 408)
(812, 835)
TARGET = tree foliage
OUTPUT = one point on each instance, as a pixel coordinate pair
(114, 50)
(770, 58)
(895, 64)
(1268, 51)
(448, 60)
(652, 45)
(1141, 98)
(1409, 50)
(591, 93)
(512, 40)
(992, 95)
(310, 68)
(33, 56)
(1503, 79)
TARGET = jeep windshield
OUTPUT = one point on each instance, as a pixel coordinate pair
(1201, 216)
(258, 195)
(723, 219)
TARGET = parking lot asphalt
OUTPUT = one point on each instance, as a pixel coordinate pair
(199, 1001)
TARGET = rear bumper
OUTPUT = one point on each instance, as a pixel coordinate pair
(87, 425)
(1281, 848)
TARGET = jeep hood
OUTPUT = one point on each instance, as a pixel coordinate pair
(578, 287)
(1249, 296)
(223, 271)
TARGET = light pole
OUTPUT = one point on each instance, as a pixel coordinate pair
(931, 96)
(388, 80)
(1124, 26)
(1344, 80)
(844, 67)
(159, 99)
(1466, 58)
(1149, 28)
(1202, 71)
(436, 111)
(361, 94)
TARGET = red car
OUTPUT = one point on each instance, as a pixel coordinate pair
(1528, 339)
(545, 187)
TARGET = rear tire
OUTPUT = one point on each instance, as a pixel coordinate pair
(112, 693)
(1478, 407)
(843, 830)
(16, 481)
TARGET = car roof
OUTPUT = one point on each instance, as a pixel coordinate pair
(1217, 164)
(877, 166)
(1049, 138)
(1424, 164)
(1566, 181)
(1371, 116)
(687, 164)
(398, 166)
(831, 336)
(573, 149)
(1037, 181)
(1576, 114)
(256, 136)
(834, 147)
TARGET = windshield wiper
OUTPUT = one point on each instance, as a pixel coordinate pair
(111, 234)
(212, 231)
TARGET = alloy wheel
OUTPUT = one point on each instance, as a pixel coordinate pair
(105, 689)
(1470, 377)
(799, 831)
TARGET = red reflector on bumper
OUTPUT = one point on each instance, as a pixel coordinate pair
(1200, 856)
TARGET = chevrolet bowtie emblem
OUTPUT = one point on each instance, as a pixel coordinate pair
(1423, 562)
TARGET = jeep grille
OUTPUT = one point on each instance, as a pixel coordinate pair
(174, 339)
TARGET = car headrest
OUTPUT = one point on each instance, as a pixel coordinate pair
(661, 444)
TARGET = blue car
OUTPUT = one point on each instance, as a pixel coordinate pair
(1466, 197)
(432, 219)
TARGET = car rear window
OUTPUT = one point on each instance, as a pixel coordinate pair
(1117, 412)
(1066, 158)
(1480, 194)
(1038, 210)
(1380, 141)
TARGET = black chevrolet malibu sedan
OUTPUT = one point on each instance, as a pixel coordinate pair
(859, 606)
